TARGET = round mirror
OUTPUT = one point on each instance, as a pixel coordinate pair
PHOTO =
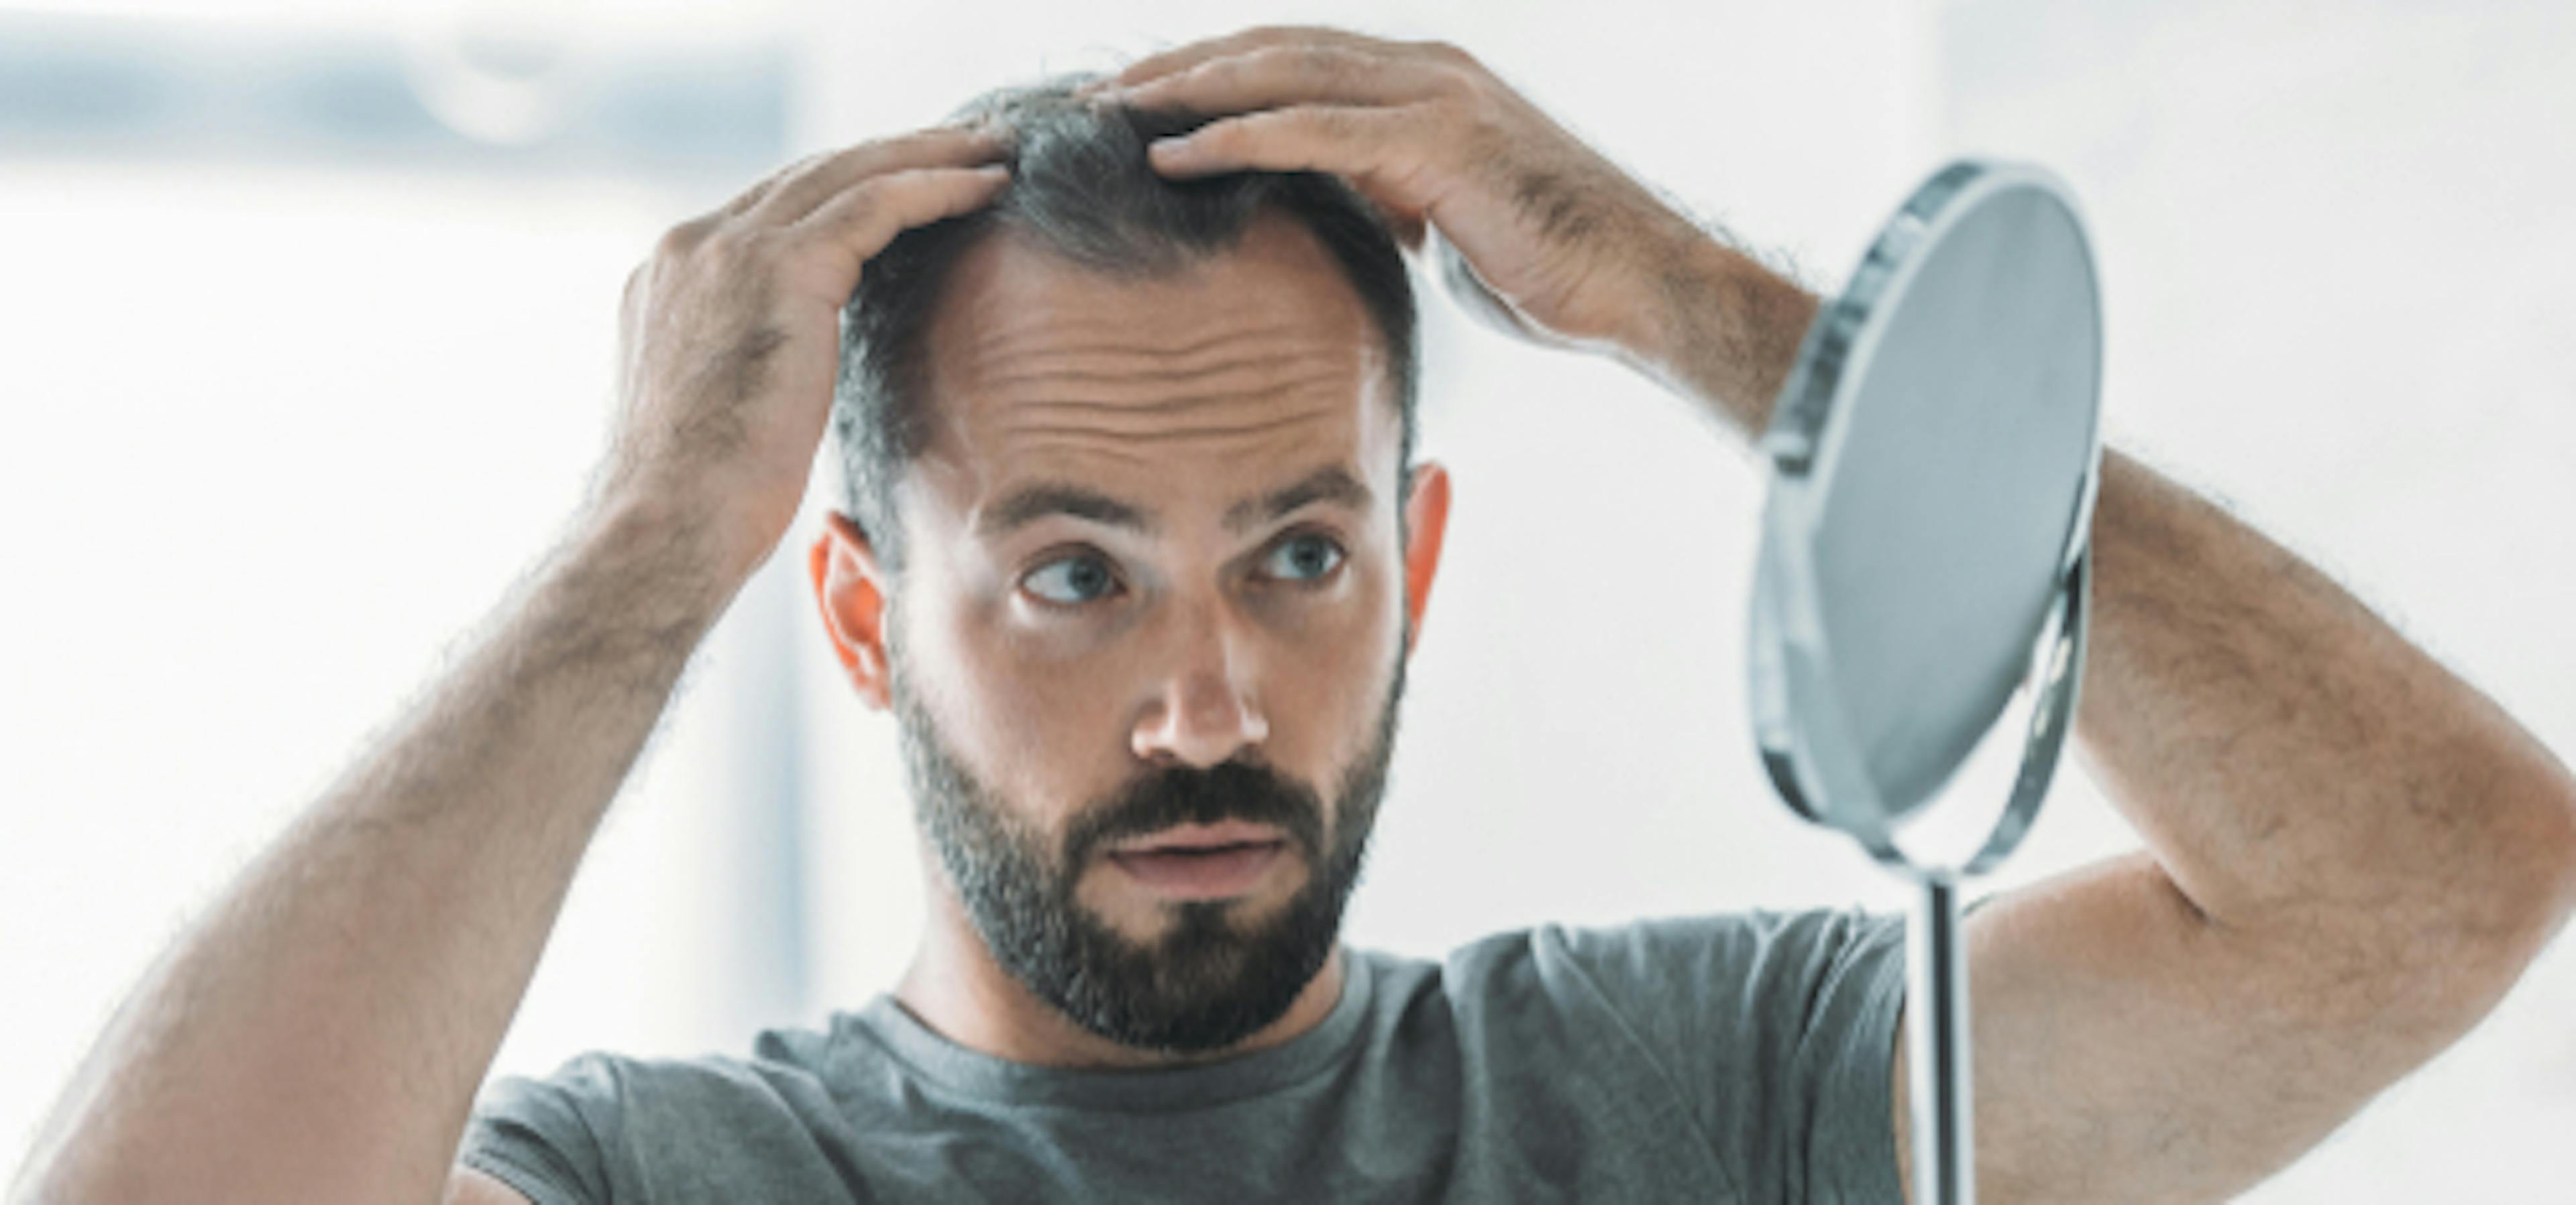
(1922, 565)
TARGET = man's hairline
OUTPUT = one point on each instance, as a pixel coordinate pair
(1389, 379)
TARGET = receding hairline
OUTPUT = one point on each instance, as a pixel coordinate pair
(1273, 233)
(1304, 248)
(1084, 192)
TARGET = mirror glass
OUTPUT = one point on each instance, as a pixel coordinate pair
(1933, 455)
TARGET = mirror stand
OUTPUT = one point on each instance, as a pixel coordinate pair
(1942, 1098)
(1939, 1067)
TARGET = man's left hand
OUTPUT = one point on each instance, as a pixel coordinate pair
(1573, 248)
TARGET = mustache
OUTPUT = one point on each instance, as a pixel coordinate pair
(1233, 790)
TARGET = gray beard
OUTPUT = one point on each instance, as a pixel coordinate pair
(1206, 984)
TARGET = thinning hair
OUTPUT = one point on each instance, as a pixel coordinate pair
(1081, 189)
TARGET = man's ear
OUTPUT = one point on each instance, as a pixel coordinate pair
(853, 591)
(1426, 521)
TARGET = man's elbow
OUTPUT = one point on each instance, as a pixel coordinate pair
(2508, 912)
(2534, 821)
(2557, 811)
(2445, 936)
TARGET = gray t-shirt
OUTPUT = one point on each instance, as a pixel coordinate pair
(1739, 1058)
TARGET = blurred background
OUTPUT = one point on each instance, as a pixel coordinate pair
(306, 349)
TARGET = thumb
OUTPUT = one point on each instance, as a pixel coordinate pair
(1405, 224)
(1473, 295)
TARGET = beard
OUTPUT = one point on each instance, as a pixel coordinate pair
(1207, 982)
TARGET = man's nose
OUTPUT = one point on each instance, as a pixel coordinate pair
(1203, 709)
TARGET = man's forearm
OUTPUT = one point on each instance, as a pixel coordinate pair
(1721, 330)
(2290, 758)
(320, 1034)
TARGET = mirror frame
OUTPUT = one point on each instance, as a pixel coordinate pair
(1806, 748)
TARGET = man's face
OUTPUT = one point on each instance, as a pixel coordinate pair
(1149, 638)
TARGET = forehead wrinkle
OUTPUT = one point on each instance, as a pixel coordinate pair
(1148, 398)
(1264, 365)
(1039, 362)
(1151, 447)
(1156, 368)
(1004, 333)
(1156, 435)
(1315, 394)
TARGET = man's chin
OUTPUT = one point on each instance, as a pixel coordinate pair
(1146, 918)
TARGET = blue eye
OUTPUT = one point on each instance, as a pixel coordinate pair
(1072, 580)
(1303, 558)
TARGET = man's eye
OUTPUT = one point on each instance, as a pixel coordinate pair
(1071, 580)
(1303, 558)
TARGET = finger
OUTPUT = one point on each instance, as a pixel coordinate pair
(866, 216)
(1384, 153)
(831, 175)
(1278, 76)
(751, 196)
(1375, 148)
(1182, 58)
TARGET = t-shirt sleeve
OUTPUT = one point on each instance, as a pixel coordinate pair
(1780, 1030)
(541, 1137)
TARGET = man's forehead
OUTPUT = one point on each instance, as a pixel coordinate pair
(1016, 317)
(1243, 375)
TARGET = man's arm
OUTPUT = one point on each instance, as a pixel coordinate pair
(2352, 853)
(319, 1035)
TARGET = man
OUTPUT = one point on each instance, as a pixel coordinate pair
(1135, 551)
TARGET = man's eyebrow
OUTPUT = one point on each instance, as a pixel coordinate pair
(1032, 503)
(1332, 483)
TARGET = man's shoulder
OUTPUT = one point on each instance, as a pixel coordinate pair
(777, 1057)
(1675, 981)
(1762, 1038)
(566, 1135)
(1654, 951)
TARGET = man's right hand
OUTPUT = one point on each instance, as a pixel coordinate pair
(730, 335)
(320, 1032)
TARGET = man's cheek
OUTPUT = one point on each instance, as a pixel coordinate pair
(1028, 702)
(1328, 714)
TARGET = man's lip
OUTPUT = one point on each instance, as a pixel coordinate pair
(1203, 836)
